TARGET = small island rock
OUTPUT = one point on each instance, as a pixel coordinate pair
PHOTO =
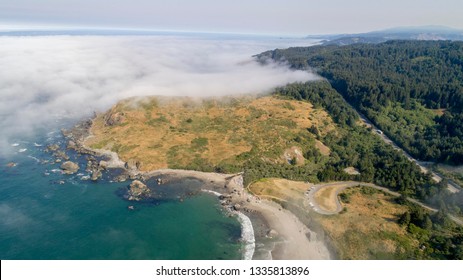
(96, 174)
(69, 167)
(137, 191)
(52, 148)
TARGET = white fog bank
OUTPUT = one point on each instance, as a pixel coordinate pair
(42, 78)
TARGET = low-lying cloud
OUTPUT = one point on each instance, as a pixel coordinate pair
(42, 78)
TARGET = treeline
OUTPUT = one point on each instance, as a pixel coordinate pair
(321, 94)
(372, 77)
(377, 162)
(438, 237)
(356, 146)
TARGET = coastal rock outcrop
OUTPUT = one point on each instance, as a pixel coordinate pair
(132, 165)
(103, 164)
(71, 145)
(52, 148)
(69, 167)
(60, 155)
(76, 136)
(94, 168)
(121, 178)
(137, 191)
(114, 118)
(96, 174)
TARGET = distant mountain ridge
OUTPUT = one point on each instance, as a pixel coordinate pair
(398, 33)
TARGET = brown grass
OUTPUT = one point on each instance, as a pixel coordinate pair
(324, 150)
(326, 197)
(280, 189)
(368, 228)
(165, 132)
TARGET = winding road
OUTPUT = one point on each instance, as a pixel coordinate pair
(451, 185)
(349, 184)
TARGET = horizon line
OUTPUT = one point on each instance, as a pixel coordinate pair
(9, 29)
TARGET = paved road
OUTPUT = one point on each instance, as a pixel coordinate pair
(349, 184)
(451, 186)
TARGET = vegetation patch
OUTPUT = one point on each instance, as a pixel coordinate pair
(226, 135)
(411, 90)
(373, 224)
(280, 190)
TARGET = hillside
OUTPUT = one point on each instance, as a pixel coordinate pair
(279, 136)
(303, 132)
(371, 224)
(398, 33)
(412, 90)
(213, 134)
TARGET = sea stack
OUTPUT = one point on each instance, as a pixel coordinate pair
(69, 167)
(137, 191)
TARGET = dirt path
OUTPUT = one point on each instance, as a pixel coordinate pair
(323, 198)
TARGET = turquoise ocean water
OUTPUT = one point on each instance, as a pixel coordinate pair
(47, 215)
(70, 77)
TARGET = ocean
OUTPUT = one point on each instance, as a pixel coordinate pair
(48, 215)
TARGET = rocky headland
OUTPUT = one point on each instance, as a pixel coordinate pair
(269, 222)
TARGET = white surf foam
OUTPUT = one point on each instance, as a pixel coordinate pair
(247, 231)
(212, 192)
(34, 158)
(247, 236)
(22, 150)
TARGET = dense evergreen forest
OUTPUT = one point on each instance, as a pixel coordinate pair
(412, 90)
(354, 145)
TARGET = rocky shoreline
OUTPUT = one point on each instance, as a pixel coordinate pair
(149, 186)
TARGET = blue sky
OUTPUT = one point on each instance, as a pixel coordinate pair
(295, 17)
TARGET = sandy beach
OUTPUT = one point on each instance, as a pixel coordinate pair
(293, 241)
(289, 238)
(279, 233)
(282, 235)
